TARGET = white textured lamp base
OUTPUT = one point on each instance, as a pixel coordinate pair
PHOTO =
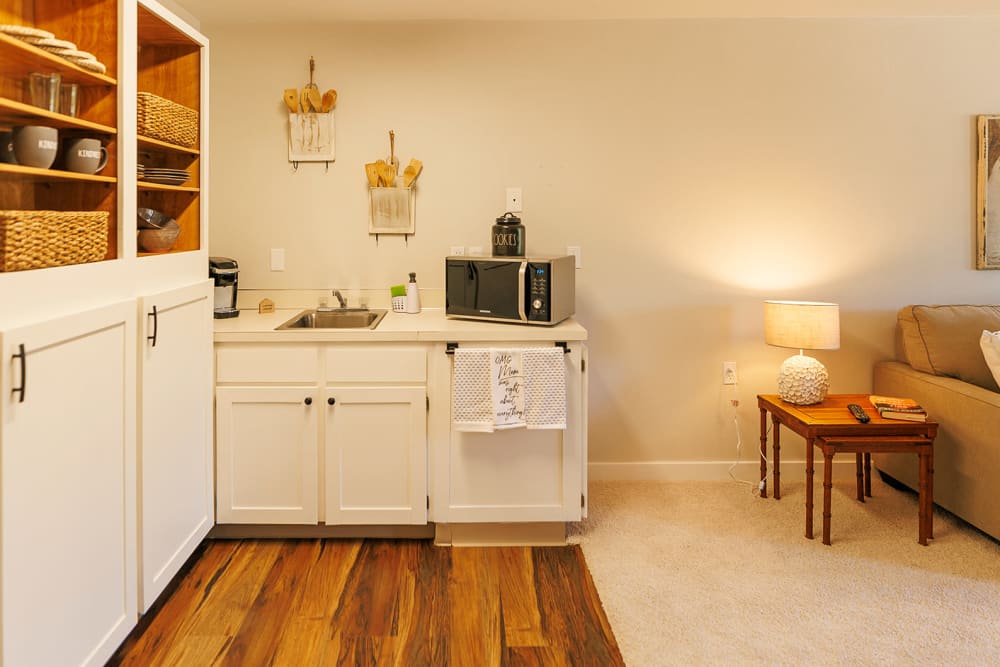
(802, 380)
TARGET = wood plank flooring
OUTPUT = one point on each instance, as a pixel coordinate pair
(375, 602)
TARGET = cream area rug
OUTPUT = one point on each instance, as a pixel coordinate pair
(696, 573)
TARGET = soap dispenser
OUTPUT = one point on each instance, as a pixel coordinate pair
(412, 295)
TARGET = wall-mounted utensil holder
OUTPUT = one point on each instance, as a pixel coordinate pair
(310, 137)
(391, 210)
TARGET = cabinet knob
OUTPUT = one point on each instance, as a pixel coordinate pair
(331, 400)
(308, 400)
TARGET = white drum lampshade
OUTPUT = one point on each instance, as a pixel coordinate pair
(806, 325)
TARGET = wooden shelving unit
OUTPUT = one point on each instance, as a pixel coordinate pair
(93, 27)
(169, 66)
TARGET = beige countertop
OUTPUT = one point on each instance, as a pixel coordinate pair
(429, 325)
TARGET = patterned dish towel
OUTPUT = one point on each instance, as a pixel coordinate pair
(496, 388)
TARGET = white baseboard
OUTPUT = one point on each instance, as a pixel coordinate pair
(707, 471)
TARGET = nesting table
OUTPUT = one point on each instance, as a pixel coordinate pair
(830, 427)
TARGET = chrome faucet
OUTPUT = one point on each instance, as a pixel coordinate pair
(340, 298)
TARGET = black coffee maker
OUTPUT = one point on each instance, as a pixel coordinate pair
(225, 272)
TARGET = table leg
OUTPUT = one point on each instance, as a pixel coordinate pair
(930, 491)
(809, 488)
(763, 453)
(868, 474)
(922, 489)
(827, 489)
(776, 456)
(861, 476)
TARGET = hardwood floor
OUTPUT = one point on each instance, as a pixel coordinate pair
(376, 602)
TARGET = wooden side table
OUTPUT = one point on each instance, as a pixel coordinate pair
(830, 426)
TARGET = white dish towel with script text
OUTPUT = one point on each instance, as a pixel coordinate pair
(508, 388)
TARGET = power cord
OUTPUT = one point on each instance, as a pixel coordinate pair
(755, 487)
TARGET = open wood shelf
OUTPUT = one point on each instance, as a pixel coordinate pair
(35, 174)
(156, 144)
(18, 112)
(16, 54)
(169, 64)
(168, 188)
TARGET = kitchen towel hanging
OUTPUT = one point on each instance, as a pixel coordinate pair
(508, 388)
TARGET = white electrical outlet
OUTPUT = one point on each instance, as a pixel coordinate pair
(476, 250)
(457, 250)
(729, 372)
(575, 251)
(277, 259)
(514, 203)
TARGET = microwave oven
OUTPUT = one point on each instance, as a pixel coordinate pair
(525, 290)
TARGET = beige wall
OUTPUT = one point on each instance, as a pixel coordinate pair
(702, 165)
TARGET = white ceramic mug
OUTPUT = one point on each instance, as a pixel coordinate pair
(36, 145)
(85, 156)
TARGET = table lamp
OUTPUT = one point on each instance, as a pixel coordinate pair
(806, 325)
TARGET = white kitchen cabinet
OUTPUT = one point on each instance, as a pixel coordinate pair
(376, 455)
(267, 454)
(177, 495)
(68, 487)
(510, 476)
(346, 446)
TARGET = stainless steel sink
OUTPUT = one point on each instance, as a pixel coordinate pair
(339, 318)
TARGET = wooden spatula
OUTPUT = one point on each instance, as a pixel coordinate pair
(315, 100)
(412, 171)
(386, 174)
(371, 171)
(292, 99)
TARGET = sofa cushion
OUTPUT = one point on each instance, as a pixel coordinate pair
(944, 340)
(990, 342)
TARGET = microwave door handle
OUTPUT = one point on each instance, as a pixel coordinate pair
(520, 291)
(476, 283)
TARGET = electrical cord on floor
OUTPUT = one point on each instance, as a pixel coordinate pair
(758, 486)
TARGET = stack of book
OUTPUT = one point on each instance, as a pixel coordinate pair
(891, 407)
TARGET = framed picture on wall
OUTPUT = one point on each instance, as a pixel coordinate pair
(988, 194)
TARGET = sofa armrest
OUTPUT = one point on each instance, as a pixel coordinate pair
(967, 448)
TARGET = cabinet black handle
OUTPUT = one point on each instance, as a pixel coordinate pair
(156, 321)
(308, 400)
(24, 372)
(331, 400)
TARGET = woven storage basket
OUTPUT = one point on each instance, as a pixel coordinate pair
(36, 239)
(167, 121)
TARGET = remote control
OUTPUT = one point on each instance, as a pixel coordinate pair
(859, 413)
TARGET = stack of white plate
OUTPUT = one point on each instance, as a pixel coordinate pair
(46, 41)
(140, 170)
(165, 176)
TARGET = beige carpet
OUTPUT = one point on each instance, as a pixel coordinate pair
(705, 573)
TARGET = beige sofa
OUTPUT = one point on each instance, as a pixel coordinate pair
(940, 364)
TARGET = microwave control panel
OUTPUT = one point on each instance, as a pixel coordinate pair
(538, 292)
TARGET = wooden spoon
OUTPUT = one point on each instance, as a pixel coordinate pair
(411, 172)
(329, 100)
(292, 99)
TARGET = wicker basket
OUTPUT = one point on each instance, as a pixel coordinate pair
(167, 121)
(36, 239)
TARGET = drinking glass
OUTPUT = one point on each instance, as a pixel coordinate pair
(44, 90)
(68, 98)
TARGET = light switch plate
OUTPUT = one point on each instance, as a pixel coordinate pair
(277, 259)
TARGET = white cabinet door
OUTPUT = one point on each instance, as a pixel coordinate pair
(376, 455)
(68, 488)
(515, 475)
(176, 494)
(267, 454)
